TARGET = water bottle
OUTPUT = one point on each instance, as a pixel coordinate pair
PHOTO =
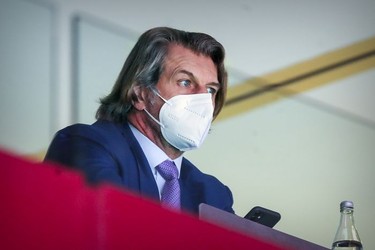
(347, 237)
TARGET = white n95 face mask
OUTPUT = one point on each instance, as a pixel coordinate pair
(185, 120)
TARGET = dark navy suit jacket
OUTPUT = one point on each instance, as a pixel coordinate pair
(108, 152)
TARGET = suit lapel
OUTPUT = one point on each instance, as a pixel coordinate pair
(192, 191)
(146, 181)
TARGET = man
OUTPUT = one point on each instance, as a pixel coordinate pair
(171, 87)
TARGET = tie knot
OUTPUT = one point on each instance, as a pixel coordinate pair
(167, 170)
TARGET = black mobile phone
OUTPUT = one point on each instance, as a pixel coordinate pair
(263, 216)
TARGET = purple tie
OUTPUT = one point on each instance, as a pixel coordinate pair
(170, 195)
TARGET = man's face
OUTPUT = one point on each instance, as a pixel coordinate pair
(184, 73)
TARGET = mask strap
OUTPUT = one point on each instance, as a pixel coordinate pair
(156, 93)
(153, 118)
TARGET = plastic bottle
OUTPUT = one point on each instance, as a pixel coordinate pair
(347, 237)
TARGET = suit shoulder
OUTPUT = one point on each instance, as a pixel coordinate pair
(101, 131)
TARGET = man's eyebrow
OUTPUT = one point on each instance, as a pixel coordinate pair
(216, 84)
(191, 75)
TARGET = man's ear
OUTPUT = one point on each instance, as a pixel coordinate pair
(140, 97)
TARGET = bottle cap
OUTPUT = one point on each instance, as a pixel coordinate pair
(346, 204)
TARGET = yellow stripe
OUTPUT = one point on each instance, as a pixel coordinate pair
(322, 78)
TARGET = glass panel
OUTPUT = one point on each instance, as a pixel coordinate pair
(25, 75)
(101, 50)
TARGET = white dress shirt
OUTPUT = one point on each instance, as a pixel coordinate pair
(154, 156)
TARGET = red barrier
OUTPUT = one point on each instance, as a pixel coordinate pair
(44, 206)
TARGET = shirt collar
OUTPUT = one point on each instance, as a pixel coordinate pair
(153, 153)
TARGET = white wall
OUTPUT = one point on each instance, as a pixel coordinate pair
(300, 156)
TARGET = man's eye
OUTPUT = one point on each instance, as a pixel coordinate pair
(185, 83)
(211, 90)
